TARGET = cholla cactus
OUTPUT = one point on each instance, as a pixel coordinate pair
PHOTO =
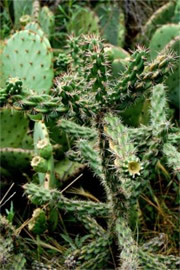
(11, 257)
(117, 155)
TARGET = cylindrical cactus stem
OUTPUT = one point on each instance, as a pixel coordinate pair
(129, 254)
(76, 130)
(173, 158)
(155, 71)
(35, 10)
(150, 261)
(91, 154)
(90, 256)
(158, 110)
(155, 244)
(38, 223)
(129, 76)
(40, 195)
(91, 225)
(121, 146)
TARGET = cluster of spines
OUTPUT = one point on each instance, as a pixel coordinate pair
(91, 255)
(10, 254)
(155, 71)
(129, 76)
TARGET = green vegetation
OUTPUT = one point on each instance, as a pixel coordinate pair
(90, 161)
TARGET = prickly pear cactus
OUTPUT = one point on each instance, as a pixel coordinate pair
(162, 16)
(27, 56)
(118, 57)
(83, 21)
(14, 126)
(176, 17)
(112, 23)
(173, 80)
(15, 158)
(162, 37)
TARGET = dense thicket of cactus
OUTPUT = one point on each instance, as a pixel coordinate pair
(107, 112)
(110, 148)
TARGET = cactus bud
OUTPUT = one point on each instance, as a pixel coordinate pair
(39, 164)
(45, 148)
(24, 20)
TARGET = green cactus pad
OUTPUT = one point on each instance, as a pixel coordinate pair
(15, 158)
(173, 80)
(14, 126)
(176, 18)
(83, 21)
(115, 52)
(26, 56)
(160, 17)
(112, 23)
(35, 28)
(162, 37)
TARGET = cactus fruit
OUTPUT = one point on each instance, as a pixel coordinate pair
(24, 20)
(83, 21)
(26, 54)
(112, 23)
(118, 58)
(44, 148)
(39, 164)
(38, 223)
(43, 161)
